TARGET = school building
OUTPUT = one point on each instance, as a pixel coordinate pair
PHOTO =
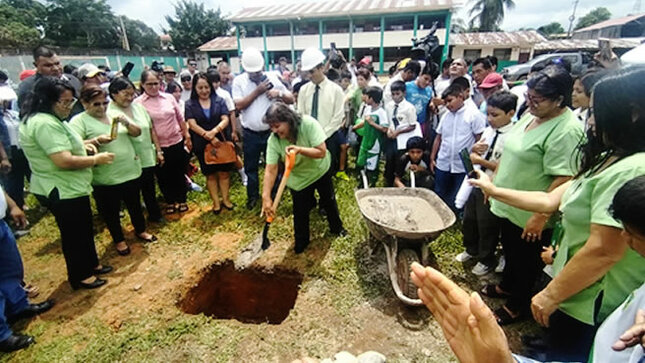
(380, 29)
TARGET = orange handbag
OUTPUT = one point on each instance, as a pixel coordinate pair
(223, 153)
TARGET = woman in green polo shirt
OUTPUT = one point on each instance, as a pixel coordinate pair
(146, 145)
(304, 136)
(118, 181)
(594, 268)
(537, 156)
(61, 176)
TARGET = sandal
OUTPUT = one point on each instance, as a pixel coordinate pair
(150, 239)
(490, 290)
(217, 211)
(227, 207)
(31, 290)
(170, 209)
(183, 207)
(503, 317)
(124, 252)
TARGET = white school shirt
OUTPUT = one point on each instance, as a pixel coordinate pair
(387, 90)
(406, 115)
(253, 114)
(228, 100)
(487, 138)
(458, 130)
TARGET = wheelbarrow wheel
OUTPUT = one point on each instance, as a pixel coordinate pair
(404, 262)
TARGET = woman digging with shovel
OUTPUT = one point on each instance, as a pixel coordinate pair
(302, 135)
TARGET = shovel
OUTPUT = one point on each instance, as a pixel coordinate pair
(289, 162)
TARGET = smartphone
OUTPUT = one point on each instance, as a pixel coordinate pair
(264, 78)
(464, 155)
(604, 46)
(333, 45)
(127, 69)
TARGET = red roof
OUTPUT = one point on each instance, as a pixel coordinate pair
(612, 22)
(219, 43)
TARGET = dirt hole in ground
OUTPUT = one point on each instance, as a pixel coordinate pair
(250, 295)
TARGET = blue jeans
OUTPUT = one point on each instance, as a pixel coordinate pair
(13, 298)
(446, 185)
(254, 144)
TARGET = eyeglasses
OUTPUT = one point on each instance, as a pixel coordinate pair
(534, 99)
(69, 103)
(99, 104)
(192, 64)
(151, 84)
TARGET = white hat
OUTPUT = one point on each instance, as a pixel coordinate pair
(88, 70)
(252, 60)
(311, 57)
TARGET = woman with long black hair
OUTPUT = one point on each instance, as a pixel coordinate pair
(594, 268)
(61, 176)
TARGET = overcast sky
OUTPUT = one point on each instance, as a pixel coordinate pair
(527, 13)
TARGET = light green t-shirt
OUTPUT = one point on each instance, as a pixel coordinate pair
(532, 159)
(587, 202)
(307, 170)
(143, 145)
(42, 135)
(126, 165)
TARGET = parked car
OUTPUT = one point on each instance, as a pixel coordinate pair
(519, 72)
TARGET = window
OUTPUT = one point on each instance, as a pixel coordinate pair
(471, 54)
(426, 21)
(336, 26)
(399, 23)
(278, 29)
(367, 25)
(304, 28)
(252, 31)
(502, 54)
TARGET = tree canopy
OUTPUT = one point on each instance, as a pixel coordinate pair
(193, 26)
(488, 14)
(70, 23)
(551, 28)
(595, 16)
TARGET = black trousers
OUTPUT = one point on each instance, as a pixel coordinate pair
(147, 184)
(523, 265)
(108, 202)
(480, 229)
(171, 175)
(304, 201)
(74, 220)
(14, 182)
(391, 156)
(569, 339)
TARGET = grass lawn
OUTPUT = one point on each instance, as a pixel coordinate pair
(345, 301)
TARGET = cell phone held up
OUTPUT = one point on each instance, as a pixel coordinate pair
(264, 78)
(464, 155)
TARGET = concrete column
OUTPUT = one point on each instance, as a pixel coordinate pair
(381, 52)
(446, 45)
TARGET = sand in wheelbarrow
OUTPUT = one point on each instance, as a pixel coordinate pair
(402, 212)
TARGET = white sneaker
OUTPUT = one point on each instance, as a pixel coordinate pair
(480, 269)
(195, 187)
(463, 257)
(245, 179)
(501, 264)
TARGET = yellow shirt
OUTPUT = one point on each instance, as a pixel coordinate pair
(331, 104)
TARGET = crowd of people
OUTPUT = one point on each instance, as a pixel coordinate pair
(549, 157)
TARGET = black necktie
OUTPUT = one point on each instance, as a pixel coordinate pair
(314, 103)
(394, 119)
(489, 153)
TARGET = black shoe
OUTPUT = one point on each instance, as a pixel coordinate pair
(32, 310)
(88, 285)
(16, 342)
(103, 270)
(322, 212)
(159, 219)
(342, 233)
(251, 203)
(534, 342)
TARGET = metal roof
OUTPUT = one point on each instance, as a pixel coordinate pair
(219, 43)
(588, 44)
(322, 9)
(524, 37)
(612, 22)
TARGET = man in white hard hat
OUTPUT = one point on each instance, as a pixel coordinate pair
(323, 100)
(253, 93)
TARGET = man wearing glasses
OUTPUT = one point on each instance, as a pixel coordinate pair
(47, 64)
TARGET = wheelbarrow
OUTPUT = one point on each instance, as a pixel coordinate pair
(405, 221)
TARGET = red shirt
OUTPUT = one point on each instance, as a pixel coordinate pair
(166, 116)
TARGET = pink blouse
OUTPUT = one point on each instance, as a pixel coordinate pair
(166, 116)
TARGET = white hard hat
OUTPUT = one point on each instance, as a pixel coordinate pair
(252, 60)
(311, 57)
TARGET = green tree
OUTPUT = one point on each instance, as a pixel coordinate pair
(19, 23)
(140, 36)
(551, 28)
(595, 16)
(488, 14)
(193, 26)
(82, 23)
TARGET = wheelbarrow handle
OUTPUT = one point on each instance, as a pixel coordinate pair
(413, 179)
(364, 178)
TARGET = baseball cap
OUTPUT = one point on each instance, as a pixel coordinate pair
(88, 70)
(169, 69)
(26, 74)
(492, 80)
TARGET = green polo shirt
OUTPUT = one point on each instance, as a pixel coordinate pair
(307, 170)
(587, 202)
(532, 159)
(42, 135)
(143, 145)
(126, 165)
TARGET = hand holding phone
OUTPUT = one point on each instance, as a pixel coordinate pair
(464, 155)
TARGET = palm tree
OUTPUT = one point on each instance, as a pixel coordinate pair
(489, 13)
